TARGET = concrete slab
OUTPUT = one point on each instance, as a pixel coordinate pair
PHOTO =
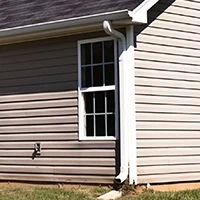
(113, 194)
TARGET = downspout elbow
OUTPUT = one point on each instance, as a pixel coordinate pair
(122, 176)
(112, 32)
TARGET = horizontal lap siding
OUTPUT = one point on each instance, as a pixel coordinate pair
(167, 94)
(39, 103)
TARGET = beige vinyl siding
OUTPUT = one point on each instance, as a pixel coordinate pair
(168, 94)
(39, 103)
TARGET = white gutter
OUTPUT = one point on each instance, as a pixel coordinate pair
(122, 87)
(75, 25)
(60, 27)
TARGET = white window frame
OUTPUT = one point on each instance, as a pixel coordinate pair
(81, 91)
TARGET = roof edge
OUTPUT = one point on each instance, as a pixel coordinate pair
(139, 14)
(75, 25)
(59, 27)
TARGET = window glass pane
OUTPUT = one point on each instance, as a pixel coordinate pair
(99, 102)
(89, 126)
(111, 125)
(98, 75)
(89, 102)
(109, 74)
(97, 70)
(110, 101)
(109, 51)
(97, 52)
(100, 125)
(85, 54)
(86, 77)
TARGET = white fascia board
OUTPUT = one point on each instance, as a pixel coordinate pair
(139, 14)
(60, 27)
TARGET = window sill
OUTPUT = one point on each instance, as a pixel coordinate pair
(111, 138)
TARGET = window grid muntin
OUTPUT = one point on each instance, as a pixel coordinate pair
(103, 63)
(108, 87)
(95, 113)
(91, 114)
(96, 64)
(92, 65)
(105, 105)
(92, 82)
(106, 122)
(94, 118)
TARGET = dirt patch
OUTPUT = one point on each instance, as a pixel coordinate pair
(132, 190)
(53, 185)
(176, 186)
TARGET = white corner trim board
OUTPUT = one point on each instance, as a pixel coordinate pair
(139, 14)
(131, 114)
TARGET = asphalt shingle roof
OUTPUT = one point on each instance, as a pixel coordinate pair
(14, 13)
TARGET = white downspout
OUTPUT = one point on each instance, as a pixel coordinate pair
(124, 139)
(128, 156)
(131, 104)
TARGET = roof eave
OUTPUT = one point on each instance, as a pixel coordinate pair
(62, 27)
(76, 25)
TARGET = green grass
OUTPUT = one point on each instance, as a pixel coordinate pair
(44, 193)
(86, 193)
(152, 195)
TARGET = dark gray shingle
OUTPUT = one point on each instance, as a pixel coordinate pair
(15, 13)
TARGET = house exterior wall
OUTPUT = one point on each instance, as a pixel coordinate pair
(38, 96)
(167, 94)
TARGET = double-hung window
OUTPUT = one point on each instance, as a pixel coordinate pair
(97, 94)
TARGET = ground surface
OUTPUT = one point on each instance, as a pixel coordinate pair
(12, 191)
(59, 192)
(152, 195)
